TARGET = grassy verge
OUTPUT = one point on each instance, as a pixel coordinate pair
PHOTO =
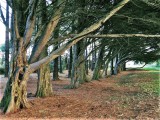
(151, 68)
(147, 82)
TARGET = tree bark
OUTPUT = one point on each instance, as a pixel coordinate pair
(55, 69)
(70, 63)
(112, 68)
(98, 66)
(116, 65)
(7, 42)
(78, 68)
(60, 64)
(122, 36)
(86, 63)
(55, 61)
(44, 86)
(93, 57)
(15, 95)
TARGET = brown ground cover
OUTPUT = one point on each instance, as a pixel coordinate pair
(102, 99)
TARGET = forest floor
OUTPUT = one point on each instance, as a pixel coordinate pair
(129, 95)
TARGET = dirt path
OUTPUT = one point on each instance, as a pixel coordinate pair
(94, 100)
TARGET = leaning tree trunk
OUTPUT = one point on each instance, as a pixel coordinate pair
(15, 95)
(98, 66)
(44, 87)
(78, 68)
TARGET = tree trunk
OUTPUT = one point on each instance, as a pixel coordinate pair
(78, 68)
(7, 42)
(86, 63)
(98, 66)
(116, 68)
(124, 66)
(66, 62)
(93, 57)
(70, 63)
(44, 86)
(112, 69)
(60, 64)
(55, 61)
(55, 69)
(106, 68)
(15, 95)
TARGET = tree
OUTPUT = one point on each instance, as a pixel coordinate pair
(15, 93)
(6, 23)
(44, 87)
(55, 61)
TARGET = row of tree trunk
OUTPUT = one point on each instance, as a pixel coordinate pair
(26, 23)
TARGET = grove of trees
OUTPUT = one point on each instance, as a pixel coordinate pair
(99, 35)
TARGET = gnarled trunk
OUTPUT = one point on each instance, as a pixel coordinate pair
(44, 87)
(15, 95)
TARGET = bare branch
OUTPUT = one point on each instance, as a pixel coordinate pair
(2, 15)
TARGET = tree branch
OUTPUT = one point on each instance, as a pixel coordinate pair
(123, 36)
(16, 25)
(80, 36)
(46, 35)
(30, 23)
(2, 16)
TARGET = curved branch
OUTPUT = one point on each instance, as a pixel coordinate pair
(30, 23)
(46, 34)
(80, 36)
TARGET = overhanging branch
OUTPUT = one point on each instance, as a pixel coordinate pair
(123, 36)
(34, 66)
